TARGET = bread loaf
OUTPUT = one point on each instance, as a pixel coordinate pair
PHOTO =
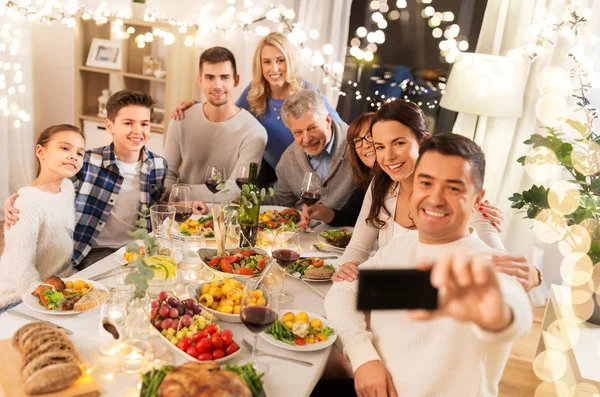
(50, 361)
(91, 300)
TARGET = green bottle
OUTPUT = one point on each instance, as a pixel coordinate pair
(249, 209)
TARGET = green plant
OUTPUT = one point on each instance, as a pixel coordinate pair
(575, 148)
(247, 189)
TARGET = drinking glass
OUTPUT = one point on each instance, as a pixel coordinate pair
(311, 188)
(215, 175)
(241, 177)
(122, 288)
(259, 309)
(286, 251)
(115, 308)
(181, 198)
(162, 218)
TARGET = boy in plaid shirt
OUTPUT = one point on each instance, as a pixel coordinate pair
(114, 182)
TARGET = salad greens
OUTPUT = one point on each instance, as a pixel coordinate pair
(249, 375)
(301, 265)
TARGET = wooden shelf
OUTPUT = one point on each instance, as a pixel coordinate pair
(143, 77)
(98, 70)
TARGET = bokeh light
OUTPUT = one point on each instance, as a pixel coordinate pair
(541, 163)
(550, 365)
(564, 197)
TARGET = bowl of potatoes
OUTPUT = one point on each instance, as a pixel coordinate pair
(223, 298)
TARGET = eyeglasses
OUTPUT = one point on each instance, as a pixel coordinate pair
(358, 141)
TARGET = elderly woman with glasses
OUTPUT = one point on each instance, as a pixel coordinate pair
(362, 159)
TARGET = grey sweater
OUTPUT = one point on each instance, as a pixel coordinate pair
(194, 143)
(337, 186)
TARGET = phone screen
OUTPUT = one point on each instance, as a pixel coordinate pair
(394, 289)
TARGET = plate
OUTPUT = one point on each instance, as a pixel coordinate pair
(323, 241)
(297, 276)
(206, 254)
(119, 256)
(33, 302)
(278, 208)
(308, 347)
(183, 355)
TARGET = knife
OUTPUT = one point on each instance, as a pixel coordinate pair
(318, 257)
(32, 318)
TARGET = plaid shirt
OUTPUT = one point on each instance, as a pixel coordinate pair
(97, 187)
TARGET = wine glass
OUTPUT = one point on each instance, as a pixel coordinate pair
(310, 193)
(215, 175)
(286, 251)
(259, 309)
(241, 177)
(181, 198)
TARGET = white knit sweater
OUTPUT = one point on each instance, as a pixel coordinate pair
(40, 244)
(436, 358)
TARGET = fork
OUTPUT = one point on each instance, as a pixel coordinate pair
(326, 250)
(248, 346)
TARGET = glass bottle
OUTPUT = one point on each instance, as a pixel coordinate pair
(249, 209)
(137, 321)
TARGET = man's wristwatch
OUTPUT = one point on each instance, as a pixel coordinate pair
(539, 276)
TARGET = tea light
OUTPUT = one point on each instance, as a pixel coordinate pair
(135, 354)
(133, 362)
(117, 316)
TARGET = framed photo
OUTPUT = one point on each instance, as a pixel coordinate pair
(105, 54)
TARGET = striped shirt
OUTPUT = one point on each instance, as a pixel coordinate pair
(97, 187)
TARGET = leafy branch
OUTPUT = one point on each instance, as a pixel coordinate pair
(256, 199)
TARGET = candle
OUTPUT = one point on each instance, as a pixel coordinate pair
(133, 362)
(116, 315)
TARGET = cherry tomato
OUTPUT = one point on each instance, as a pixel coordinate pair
(226, 266)
(261, 264)
(184, 343)
(231, 349)
(231, 259)
(44, 300)
(300, 341)
(249, 253)
(227, 337)
(198, 336)
(244, 270)
(316, 262)
(204, 345)
(211, 328)
(216, 341)
(214, 261)
(192, 351)
(219, 353)
(205, 357)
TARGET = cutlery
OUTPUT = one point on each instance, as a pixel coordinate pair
(107, 273)
(320, 257)
(248, 346)
(316, 291)
(32, 318)
(328, 250)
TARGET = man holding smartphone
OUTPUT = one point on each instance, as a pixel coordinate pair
(463, 347)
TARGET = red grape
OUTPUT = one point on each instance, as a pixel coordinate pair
(164, 311)
(175, 324)
(180, 309)
(189, 312)
(166, 323)
(154, 304)
(189, 304)
(197, 308)
(186, 320)
(173, 313)
(172, 301)
(153, 314)
(162, 296)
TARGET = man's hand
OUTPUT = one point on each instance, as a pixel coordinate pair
(183, 105)
(347, 272)
(320, 212)
(372, 379)
(518, 267)
(10, 212)
(200, 207)
(472, 293)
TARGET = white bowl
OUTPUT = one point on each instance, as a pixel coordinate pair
(206, 254)
(192, 291)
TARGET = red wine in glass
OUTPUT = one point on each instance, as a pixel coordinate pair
(258, 318)
(310, 199)
(182, 213)
(240, 182)
(285, 257)
(212, 184)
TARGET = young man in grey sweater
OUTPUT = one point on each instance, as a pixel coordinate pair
(320, 146)
(215, 132)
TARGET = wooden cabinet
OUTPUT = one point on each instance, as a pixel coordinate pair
(179, 61)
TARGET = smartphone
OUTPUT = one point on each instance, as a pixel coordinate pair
(396, 289)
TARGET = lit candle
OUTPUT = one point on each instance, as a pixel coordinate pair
(133, 362)
(116, 315)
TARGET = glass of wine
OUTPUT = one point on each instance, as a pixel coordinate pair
(215, 175)
(286, 251)
(181, 198)
(259, 309)
(310, 193)
(241, 178)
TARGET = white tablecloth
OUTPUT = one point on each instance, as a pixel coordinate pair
(283, 379)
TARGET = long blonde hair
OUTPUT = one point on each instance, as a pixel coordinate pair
(260, 89)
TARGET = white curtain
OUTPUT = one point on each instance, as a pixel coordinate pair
(503, 139)
(17, 137)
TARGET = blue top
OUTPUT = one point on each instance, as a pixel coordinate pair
(320, 163)
(279, 136)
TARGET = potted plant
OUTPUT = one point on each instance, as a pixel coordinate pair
(568, 212)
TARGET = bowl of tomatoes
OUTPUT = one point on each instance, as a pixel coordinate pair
(244, 262)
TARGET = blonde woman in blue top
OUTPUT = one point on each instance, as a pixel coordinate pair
(274, 78)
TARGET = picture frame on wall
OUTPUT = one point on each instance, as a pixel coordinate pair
(105, 54)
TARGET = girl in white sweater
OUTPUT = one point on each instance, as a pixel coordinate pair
(40, 244)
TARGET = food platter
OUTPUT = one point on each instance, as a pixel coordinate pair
(308, 347)
(208, 254)
(33, 302)
(297, 269)
(324, 241)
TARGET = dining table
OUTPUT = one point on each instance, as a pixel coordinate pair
(284, 378)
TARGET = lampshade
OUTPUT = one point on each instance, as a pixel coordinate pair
(485, 85)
